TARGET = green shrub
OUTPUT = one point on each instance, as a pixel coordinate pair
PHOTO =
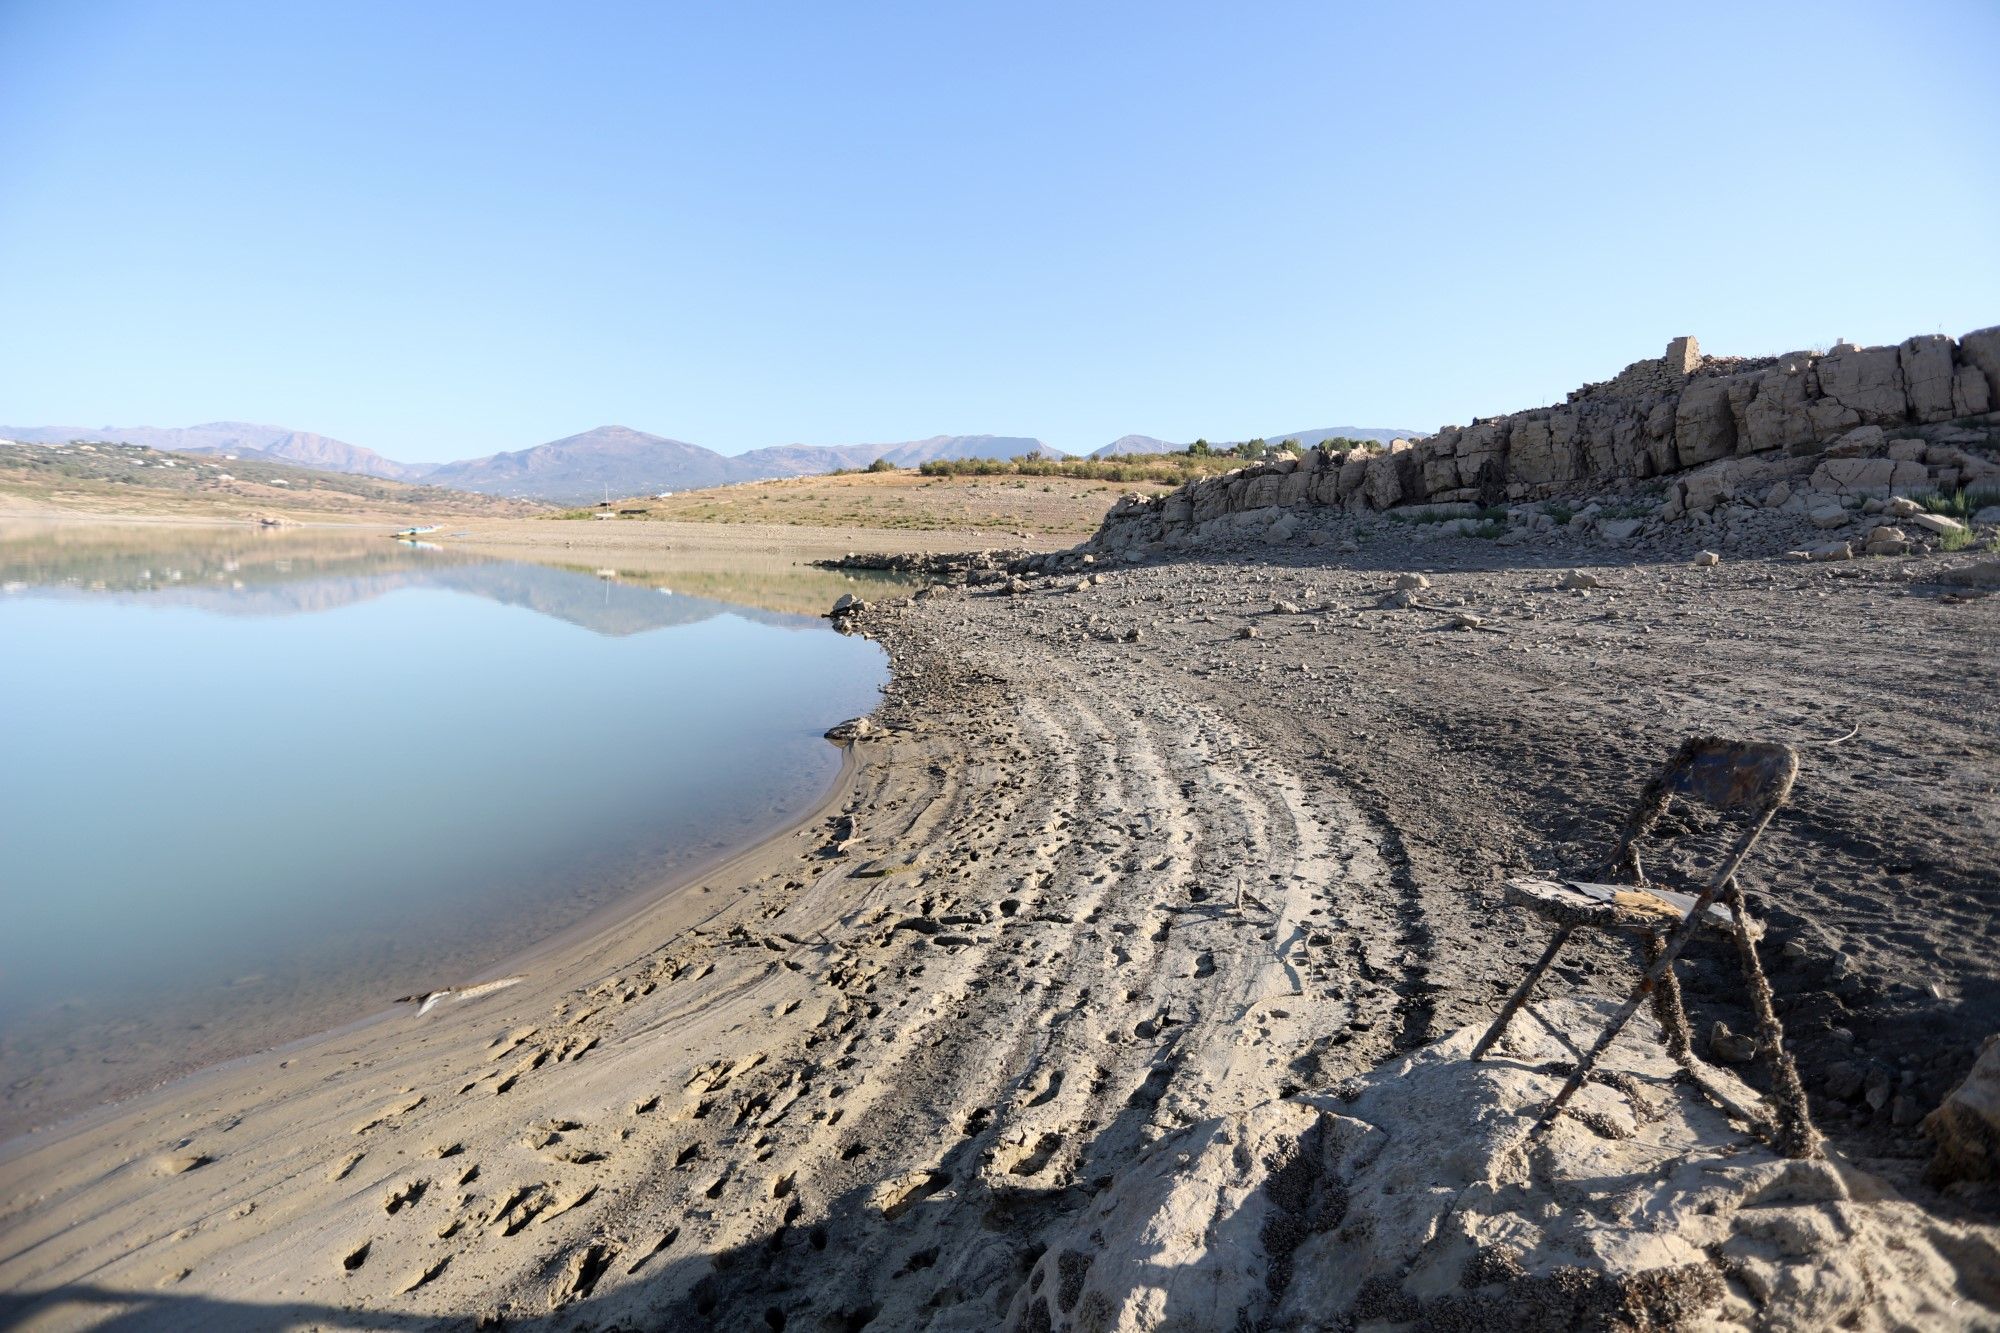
(1961, 504)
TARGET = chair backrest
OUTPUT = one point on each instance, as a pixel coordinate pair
(1725, 775)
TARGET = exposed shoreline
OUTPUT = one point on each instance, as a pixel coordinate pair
(1116, 876)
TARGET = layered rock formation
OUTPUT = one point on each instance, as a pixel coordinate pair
(1659, 420)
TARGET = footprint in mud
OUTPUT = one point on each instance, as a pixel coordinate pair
(575, 1201)
(520, 1208)
(1048, 1093)
(346, 1167)
(179, 1164)
(1037, 1157)
(355, 1257)
(895, 1197)
(389, 1113)
(407, 1197)
(426, 1276)
(1149, 1092)
(1204, 964)
(667, 1237)
(581, 1273)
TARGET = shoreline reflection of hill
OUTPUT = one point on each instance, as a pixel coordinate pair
(244, 572)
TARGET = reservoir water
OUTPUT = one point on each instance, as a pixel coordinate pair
(254, 785)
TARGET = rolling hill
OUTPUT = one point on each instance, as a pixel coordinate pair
(584, 468)
(244, 439)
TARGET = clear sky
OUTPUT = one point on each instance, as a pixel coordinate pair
(442, 229)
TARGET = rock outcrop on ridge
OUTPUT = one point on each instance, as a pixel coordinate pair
(1808, 434)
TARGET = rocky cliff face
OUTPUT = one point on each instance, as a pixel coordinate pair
(1699, 428)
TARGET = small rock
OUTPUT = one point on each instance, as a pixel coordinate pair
(1411, 582)
(1707, 560)
(1466, 620)
(1831, 551)
(1827, 516)
(1248, 632)
(1577, 580)
(1843, 1080)
(854, 730)
(1876, 1088)
(1885, 540)
(1017, 586)
(1133, 635)
(1731, 1048)
(1966, 1126)
(1288, 608)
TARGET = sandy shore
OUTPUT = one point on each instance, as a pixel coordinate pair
(1101, 939)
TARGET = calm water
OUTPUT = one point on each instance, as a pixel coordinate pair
(254, 785)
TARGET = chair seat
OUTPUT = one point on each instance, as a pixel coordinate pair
(1575, 902)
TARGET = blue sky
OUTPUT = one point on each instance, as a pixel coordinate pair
(444, 229)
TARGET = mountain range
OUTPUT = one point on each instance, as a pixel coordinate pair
(1127, 445)
(614, 460)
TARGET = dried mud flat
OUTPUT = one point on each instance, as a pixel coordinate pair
(1123, 983)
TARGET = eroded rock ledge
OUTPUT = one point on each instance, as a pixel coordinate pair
(1805, 432)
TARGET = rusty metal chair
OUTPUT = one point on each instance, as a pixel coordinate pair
(1748, 778)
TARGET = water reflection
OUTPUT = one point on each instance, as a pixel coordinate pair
(257, 782)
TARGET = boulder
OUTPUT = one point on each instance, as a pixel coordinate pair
(1831, 551)
(1619, 529)
(1925, 363)
(1869, 476)
(1978, 574)
(1966, 1126)
(1861, 442)
(1937, 523)
(1980, 350)
(1704, 426)
(1706, 560)
(1886, 540)
(1867, 381)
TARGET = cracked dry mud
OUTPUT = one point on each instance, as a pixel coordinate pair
(1082, 892)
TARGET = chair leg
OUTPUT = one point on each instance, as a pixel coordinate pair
(1667, 1007)
(1796, 1135)
(1523, 991)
